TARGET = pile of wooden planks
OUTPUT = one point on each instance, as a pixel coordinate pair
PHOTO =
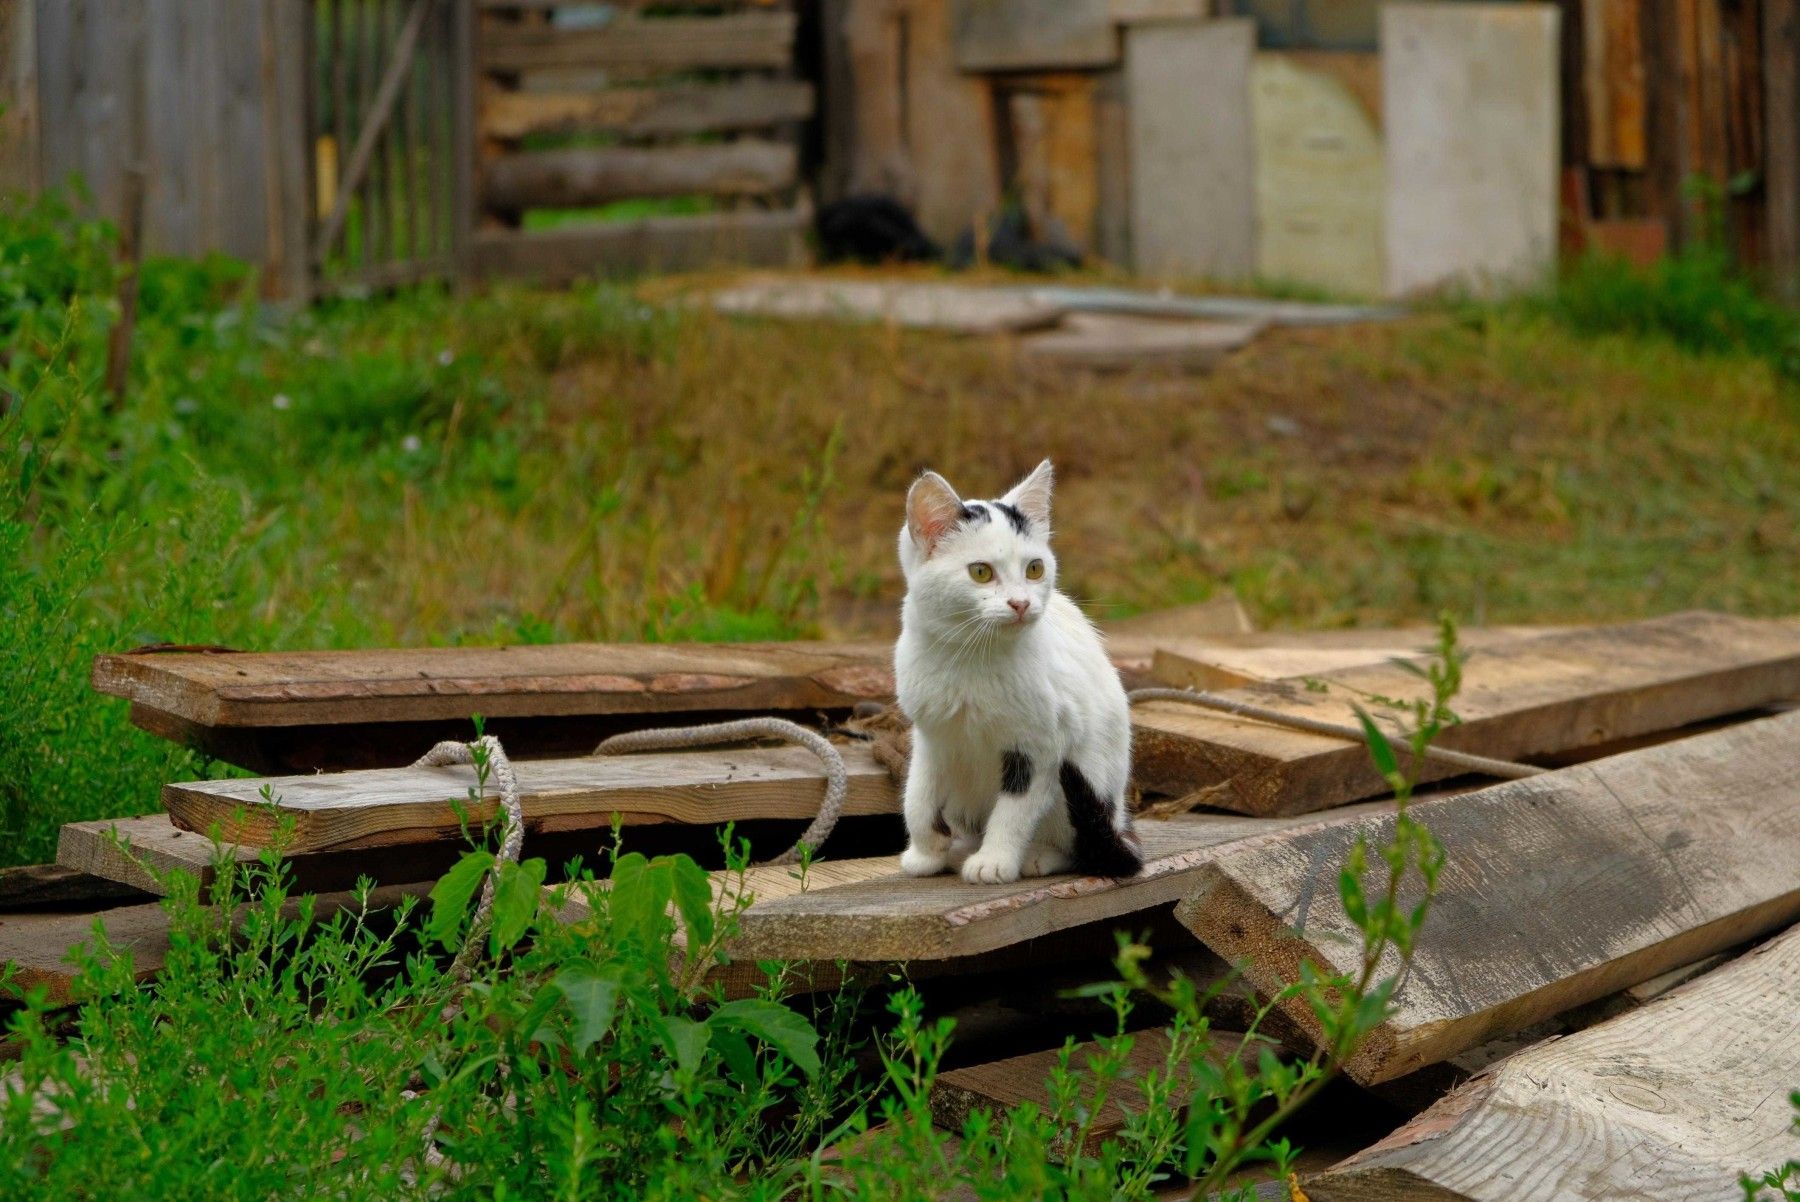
(697, 105)
(1604, 901)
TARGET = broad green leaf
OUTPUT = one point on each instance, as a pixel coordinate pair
(686, 1041)
(781, 1028)
(450, 896)
(639, 898)
(516, 899)
(591, 998)
(693, 898)
(1380, 750)
(735, 1051)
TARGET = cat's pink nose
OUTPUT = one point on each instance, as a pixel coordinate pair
(1020, 606)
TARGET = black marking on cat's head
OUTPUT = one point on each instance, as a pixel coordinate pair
(1015, 772)
(975, 513)
(1019, 521)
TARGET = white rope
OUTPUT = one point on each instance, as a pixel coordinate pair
(674, 738)
(1504, 769)
(512, 834)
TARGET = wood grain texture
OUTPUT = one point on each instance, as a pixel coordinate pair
(732, 41)
(424, 683)
(1666, 1104)
(408, 805)
(141, 853)
(890, 916)
(639, 112)
(40, 947)
(1551, 693)
(583, 177)
(1002, 1085)
(949, 126)
(1278, 655)
(1557, 890)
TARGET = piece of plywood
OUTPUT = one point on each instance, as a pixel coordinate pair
(406, 805)
(1666, 1104)
(1534, 696)
(421, 683)
(1556, 890)
(893, 917)
(1131, 12)
(42, 949)
(1032, 35)
(639, 112)
(956, 308)
(1101, 342)
(1193, 183)
(1320, 177)
(1471, 122)
(582, 177)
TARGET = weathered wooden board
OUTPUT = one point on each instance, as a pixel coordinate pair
(1032, 35)
(696, 242)
(1002, 1085)
(404, 805)
(40, 946)
(140, 853)
(1130, 12)
(736, 40)
(948, 124)
(887, 915)
(423, 683)
(1557, 890)
(583, 177)
(1555, 692)
(638, 112)
(1666, 1104)
(1227, 662)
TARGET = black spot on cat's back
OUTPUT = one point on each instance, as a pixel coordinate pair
(1015, 772)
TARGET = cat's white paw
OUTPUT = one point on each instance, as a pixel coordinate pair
(985, 868)
(916, 861)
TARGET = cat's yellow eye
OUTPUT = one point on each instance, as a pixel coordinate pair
(981, 573)
(1034, 570)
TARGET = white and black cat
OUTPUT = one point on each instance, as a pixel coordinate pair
(1021, 730)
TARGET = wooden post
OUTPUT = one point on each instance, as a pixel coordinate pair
(287, 147)
(131, 213)
(19, 162)
(1781, 145)
(462, 135)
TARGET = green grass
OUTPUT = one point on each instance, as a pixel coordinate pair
(520, 466)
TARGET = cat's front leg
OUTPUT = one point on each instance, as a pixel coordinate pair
(1026, 795)
(927, 834)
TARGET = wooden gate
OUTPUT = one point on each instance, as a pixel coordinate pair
(387, 129)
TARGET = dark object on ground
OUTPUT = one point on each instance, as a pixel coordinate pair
(872, 229)
(1011, 242)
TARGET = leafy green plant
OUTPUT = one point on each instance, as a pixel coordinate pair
(1778, 1184)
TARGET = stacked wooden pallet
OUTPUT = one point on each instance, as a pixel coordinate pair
(577, 108)
(1598, 901)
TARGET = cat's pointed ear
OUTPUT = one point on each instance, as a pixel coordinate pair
(1031, 496)
(932, 510)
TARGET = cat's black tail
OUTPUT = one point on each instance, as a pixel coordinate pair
(1100, 848)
